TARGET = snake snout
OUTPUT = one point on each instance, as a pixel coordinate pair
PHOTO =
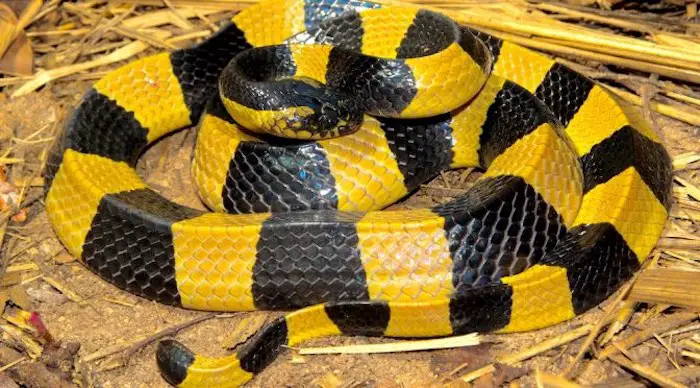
(173, 360)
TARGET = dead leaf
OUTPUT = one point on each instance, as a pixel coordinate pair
(16, 54)
(17, 5)
(8, 24)
(19, 58)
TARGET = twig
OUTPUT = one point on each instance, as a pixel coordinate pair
(164, 333)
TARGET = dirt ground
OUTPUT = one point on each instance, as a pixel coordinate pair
(104, 316)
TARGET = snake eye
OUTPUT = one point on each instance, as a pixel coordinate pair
(329, 112)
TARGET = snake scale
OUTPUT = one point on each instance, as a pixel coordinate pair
(313, 116)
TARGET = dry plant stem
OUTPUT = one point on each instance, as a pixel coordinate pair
(672, 322)
(623, 46)
(672, 90)
(217, 5)
(646, 372)
(162, 17)
(669, 286)
(164, 333)
(539, 348)
(689, 354)
(72, 295)
(611, 21)
(621, 319)
(641, 65)
(674, 243)
(688, 115)
(544, 346)
(183, 21)
(471, 376)
(44, 77)
(13, 363)
(682, 330)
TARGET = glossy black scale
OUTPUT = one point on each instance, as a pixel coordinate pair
(499, 228)
(305, 258)
(130, 243)
(275, 178)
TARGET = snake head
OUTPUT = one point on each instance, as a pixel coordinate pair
(319, 112)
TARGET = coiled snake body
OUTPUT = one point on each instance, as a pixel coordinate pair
(373, 101)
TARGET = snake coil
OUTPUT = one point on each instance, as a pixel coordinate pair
(313, 116)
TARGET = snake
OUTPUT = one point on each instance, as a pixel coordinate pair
(315, 116)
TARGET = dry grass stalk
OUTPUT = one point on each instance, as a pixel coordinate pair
(683, 161)
(689, 354)
(544, 346)
(691, 189)
(603, 41)
(162, 17)
(402, 346)
(185, 25)
(646, 372)
(473, 375)
(44, 77)
(670, 323)
(668, 286)
(13, 363)
(119, 302)
(217, 5)
(23, 267)
(621, 319)
(685, 114)
(509, 359)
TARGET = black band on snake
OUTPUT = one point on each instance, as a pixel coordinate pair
(313, 116)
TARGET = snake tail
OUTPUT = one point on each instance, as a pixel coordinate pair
(485, 309)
